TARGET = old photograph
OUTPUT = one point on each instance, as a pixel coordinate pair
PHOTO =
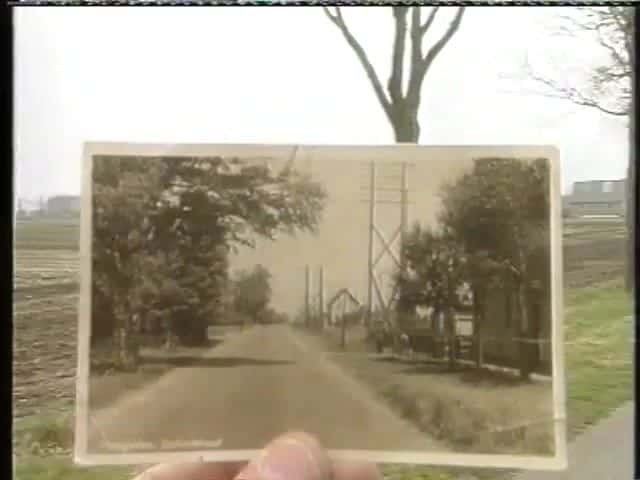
(400, 303)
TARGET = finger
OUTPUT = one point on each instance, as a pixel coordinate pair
(293, 456)
(192, 471)
(349, 470)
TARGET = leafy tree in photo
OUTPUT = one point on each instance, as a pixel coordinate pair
(164, 227)
(272, 316)
(253, 293)
(215, 205)
(500, 213)
(436, 269)
(123, 191)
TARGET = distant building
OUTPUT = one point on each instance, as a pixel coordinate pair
(63, 204)
(595, 198)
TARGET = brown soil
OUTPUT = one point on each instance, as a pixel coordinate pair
(593, 261)
(44, 353)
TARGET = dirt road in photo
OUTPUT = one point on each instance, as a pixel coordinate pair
(249, 389)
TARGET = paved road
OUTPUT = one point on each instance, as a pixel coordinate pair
(250, 388)
(604, 452)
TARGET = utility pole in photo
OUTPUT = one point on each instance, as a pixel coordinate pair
(380, 247)
(321, 298)
(307, 296)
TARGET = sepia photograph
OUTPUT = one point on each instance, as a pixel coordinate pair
(400, 303)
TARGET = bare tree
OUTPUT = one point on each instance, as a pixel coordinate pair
(400, 105)
(608, 87)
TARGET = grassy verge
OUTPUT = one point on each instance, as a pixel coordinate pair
(63, 469)
(42, 447)
(468, 410)
(43, 435)
(599, 343)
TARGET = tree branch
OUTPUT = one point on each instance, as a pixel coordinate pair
(440, 44)
(420, 66)
(338, 20)
(623, 17)
(573, 95)
(417, 33)
(615, 54)
(397, 62)
(607, 87)
(432, 16)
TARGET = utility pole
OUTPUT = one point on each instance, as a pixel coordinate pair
(321, 299)
(375, 290)
(307, 296)
(372, 221)
(404, 212)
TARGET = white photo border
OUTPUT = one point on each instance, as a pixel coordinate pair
(82, 456)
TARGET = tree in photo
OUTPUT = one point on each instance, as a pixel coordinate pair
(123, 191)
(436, 269)
(252, 294)
(400, 103)
(164, 227)
(217, 204)
(500, 213)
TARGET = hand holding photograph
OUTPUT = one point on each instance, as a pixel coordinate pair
(400, 303)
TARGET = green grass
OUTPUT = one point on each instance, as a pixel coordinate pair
(42, 447)
(63, 469)
(43, 434)
(599, 343)
(436, 473)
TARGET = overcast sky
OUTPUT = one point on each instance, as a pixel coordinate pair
(279, 75)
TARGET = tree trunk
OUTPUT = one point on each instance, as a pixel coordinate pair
(477, 327)
(534, 330)
(523, 330)
(343, 333)
(406, 127)
(128, 354)
(172, 335)
(524, 322)
(126, 343)
(630, 210)
(451, 336)
(199, 329)
(103, 325)
(449, 320)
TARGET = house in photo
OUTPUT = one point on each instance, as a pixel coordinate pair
(595, 198)
(342, 304)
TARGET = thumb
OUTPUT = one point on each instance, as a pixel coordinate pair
(293, 456)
